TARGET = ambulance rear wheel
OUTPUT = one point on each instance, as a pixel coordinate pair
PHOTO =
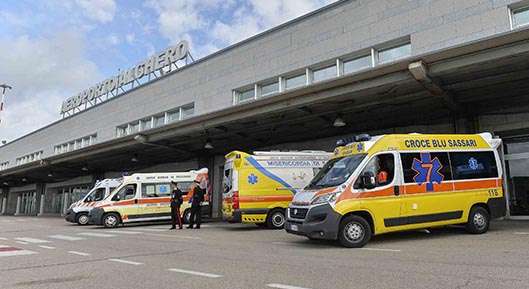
(354, 232)
(186, 216)
(82, 219)
(478, 220)
(276, 219)
(111, 220)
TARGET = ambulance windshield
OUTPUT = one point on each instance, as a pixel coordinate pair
(335, 172)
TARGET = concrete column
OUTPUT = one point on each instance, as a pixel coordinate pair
(65, 203)
(19, 201)
(4, 205)
(41, 208)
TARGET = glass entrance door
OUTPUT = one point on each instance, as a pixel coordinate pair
(517, 159)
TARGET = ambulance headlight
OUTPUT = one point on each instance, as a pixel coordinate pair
(325, 198)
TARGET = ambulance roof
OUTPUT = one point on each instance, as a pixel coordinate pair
(413, 142)
(304, 153)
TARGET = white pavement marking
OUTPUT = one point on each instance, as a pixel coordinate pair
(47, 247)
(96, 235)
(283, 286)
(126, 262)
(126, 232)
(79, 253)
(23, 243)
(41, 226)
(281, 243)
(149, 230)
(6, 251)
(67, 238)
(195, 273)
(3, 239)
(174, 236)
(521, 233)
(383, 250)
(32, 240)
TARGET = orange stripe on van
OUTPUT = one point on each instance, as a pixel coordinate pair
(154, 200)
(470, 185)
(412, 189)
(250, 199)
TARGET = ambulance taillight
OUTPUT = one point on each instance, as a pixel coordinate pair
(235, 200)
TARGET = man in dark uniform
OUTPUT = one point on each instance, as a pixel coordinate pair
(176, 201)
(196, 205)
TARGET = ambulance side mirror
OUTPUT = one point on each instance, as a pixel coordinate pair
(88, 199)
(116, 198)
(368, 180)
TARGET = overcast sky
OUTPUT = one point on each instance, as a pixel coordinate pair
(51, 50)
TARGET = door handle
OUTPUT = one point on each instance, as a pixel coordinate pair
(396, 190)
(135, 201)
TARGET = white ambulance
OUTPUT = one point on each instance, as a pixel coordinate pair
(146, 197)
(78, 211)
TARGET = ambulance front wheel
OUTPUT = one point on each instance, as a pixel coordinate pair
(354, 232)
(111, 220)
(276, 219)
(82, 219)
(186, 217)
(478, 220)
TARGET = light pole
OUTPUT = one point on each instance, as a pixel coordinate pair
(4, 87)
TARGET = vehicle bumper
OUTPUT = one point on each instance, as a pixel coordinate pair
(321, 222)
(95, 216)
(70, 216)
(246, 216)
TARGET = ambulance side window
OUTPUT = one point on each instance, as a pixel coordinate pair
(185, 187)
(126, 193)
(473, 165)
(382, 167)
(417, 166)
(155, 190)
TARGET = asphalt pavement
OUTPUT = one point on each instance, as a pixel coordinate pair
(45, 252)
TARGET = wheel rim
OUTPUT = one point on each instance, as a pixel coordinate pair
(111, 221)
(278, 220)
(479, 220)
(83, 219)
(187, 217)
(354, 232)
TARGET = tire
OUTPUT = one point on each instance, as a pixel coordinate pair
(354, 232)
(111, 220)
(82, 219)
(276, 219)
(478, 220)
(186, 216)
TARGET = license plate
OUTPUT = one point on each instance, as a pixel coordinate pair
(294, 227)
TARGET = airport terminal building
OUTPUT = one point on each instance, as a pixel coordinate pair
(356, 66)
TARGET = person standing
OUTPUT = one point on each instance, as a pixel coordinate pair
(196, 205)
(176, 201)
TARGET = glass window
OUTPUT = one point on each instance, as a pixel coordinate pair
(426, 167)
(93, 139)
(146, 124)
(324, 73)
(270, 88)
(520, 17)
(246, 95)
(295, 81)
(126, 193)
(336, 172)
(121, 131)
(188, 112)
(96, 195)
(159, 120)
(473, 165)
(134, 128)
(395, 52)
(78, 144)
(383, 167)
(174, 116)
(156, 190)
(356, 64)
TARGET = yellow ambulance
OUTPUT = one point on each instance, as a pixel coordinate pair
(257, 188)
(146, 197)
(387, 183)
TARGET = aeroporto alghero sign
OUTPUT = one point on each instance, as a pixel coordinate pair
(161, 62)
